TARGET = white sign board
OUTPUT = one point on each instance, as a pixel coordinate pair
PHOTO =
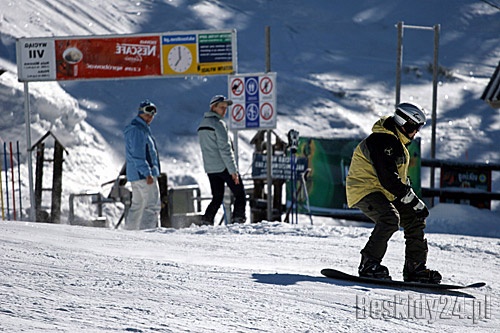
(254, 101)
(36, 59)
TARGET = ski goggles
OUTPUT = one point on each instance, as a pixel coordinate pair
(148, 109)
(412, 126)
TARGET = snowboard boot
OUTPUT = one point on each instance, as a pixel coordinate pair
(373, 269)
(418, 272)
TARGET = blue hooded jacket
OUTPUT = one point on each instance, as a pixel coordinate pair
(141, 153)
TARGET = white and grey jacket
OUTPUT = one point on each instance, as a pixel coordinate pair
(216, 146)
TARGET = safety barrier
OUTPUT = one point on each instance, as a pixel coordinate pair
(9, 164)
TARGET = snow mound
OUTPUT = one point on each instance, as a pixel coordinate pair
(463, 220)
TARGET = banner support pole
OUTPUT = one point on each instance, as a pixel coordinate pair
(27, 121)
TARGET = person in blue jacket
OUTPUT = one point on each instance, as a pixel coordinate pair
(143, 167)
(219, 162)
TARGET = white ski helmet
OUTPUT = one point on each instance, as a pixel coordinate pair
(410, 116)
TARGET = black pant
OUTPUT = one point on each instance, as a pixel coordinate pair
(217, 181)
(388, 217)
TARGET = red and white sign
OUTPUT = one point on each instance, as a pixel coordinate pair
(237, 86)
(254, 98)
(266, 111)
(266, 85)
(237, 113)
(107, 57)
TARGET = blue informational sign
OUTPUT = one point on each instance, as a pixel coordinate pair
(252, 101)
(251, 89)
(281, 166)
(252, 115)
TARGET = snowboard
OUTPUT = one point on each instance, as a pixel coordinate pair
(335, 274)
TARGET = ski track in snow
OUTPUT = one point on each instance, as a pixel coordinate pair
(210, 279)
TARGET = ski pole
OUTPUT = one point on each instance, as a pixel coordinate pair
(304, 186)
(13, 181)
(1, 192)
(291, 191)
(296, 205)
(19, 181)
(6, 178)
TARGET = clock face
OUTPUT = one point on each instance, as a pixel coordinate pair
(180, 58)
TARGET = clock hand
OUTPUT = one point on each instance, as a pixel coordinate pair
(180, 56)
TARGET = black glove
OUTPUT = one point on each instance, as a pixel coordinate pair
(418, 205)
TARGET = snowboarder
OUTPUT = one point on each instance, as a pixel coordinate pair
(219, 162)
(377, 184)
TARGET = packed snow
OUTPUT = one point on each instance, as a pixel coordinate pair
(336, 71)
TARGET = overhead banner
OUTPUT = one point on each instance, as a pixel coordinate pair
(125, 56)
(203, 53)
(254, 101)
(107, 57)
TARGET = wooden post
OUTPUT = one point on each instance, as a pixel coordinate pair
(40, 148)
(165, 220)
(55, 212)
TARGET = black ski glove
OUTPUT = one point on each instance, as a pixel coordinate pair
(418, 205)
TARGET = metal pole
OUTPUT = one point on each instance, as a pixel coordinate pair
(236, 160)
(399, 61)
(13, 181)
(1, 191)
(434, 97)
(6, 178)
(19, 181)
(269, 144)
(27, 121)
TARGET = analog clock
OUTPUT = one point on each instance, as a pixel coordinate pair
(180, 58)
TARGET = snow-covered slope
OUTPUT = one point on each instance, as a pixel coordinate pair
(252, 278)
(336, 71)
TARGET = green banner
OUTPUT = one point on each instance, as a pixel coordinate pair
(329, 161)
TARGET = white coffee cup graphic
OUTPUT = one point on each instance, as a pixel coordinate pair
(72, 56)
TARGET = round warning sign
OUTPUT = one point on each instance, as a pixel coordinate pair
(266, 111)
(238, 112)
(266, 85)
(237, 87)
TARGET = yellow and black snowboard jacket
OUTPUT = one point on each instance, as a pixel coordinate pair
(379, 164)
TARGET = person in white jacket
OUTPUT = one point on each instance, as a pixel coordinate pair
(219, 162)
(143, 168)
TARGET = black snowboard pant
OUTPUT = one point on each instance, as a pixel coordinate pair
(388, 217)
(217, 181)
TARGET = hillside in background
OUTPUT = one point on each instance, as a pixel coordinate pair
(335, 65)
(335, 62)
